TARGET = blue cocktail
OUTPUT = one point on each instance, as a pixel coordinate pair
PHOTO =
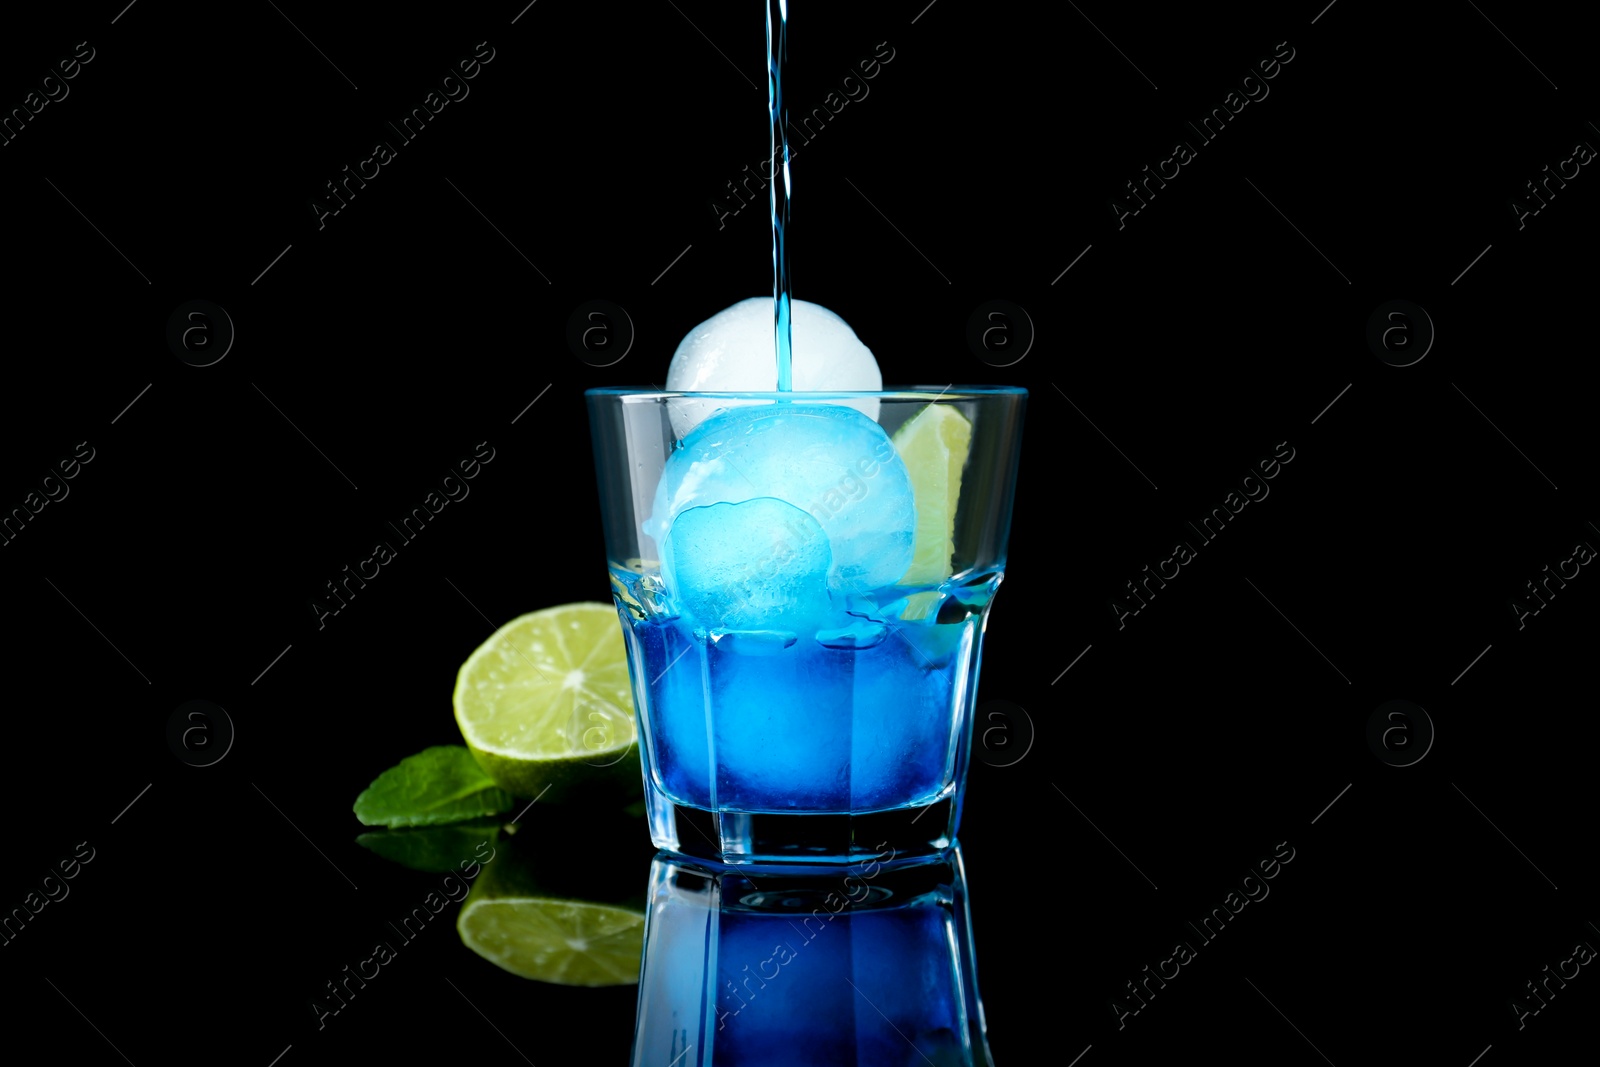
(803, 580)
(871, 965)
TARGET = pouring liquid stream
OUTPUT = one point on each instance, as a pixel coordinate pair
(777, 60)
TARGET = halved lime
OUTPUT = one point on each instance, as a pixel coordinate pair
(546, 708)
(934, 444)
(567, 942)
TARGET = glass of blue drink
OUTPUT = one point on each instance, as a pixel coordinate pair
(870, 966)
(803, 581)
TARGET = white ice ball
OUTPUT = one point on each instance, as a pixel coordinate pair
(733, 352)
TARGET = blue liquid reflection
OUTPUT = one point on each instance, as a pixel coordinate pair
(866, 965)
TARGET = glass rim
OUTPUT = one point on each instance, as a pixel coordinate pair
(927, 393)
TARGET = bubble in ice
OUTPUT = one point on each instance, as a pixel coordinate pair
(831, 463)
(757, 566)
(733, 352)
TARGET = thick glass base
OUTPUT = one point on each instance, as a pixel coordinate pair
(733, 837)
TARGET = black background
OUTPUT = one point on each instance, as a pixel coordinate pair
(382, 347)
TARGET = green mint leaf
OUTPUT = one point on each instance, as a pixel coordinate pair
(438, 785)
(436, 849)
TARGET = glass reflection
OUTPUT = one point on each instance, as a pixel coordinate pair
(870, 964)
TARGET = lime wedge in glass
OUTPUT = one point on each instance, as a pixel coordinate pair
(546, 708)
(934, 444)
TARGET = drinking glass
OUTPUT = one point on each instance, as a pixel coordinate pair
(803, 581)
